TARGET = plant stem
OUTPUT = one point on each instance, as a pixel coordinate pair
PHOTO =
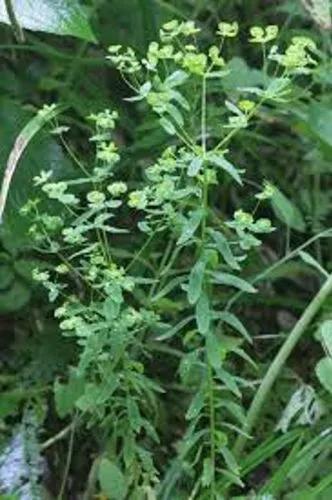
(212, 429)
(14, 22)
(205, 201)
(54, 439)
(68, 460)
(279, 361)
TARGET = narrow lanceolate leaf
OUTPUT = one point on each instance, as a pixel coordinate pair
(176, 78)
(22, 141)
(229, 381)
(324, 373)
(167, 126)
(111, 479)
(196, 278)
(286, 211)
(62, 17)
(196, 404)
(224, 249)
(235, 323)
(234, 281)
(190, 226)
(225, 165)
(309, 259)
(203, 314)
(213, 350)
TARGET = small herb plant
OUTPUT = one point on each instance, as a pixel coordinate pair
(146, 265)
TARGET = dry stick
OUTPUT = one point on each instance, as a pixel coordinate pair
(14, 22)
(279, 361)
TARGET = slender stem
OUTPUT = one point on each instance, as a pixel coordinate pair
(68, 460)
(205, 201)
(54, 439)
(286, 258)
(279, 361)
(205, 179)
(212, 429)
(14, 22)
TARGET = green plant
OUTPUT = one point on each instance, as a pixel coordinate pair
(171, 295)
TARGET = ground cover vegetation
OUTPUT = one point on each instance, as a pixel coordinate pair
(165, 280)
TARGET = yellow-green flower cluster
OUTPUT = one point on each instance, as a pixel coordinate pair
(174, 28)
(263, 35)
(228, 30)
(125, 61)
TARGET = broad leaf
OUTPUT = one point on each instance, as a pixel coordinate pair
(111, 479)
(42, 151)
(324, 373)
(326, 333)
(62, 17)
(320, 121)
(67, 394)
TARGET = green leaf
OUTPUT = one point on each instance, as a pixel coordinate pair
(10, 402)
(175, 114)
(15, 297)
(167, 126)
(235, 323)
(203, 314)
(196, 404)
(7, 276)
(190, 226)
(66, 395)
(111, 479)
(269, 448)
(241, 75)
(208, 472)
(320, 121)
(286, 211)
(231, 280)
(134, 416)
(225, 165)
(21, 142)
(195, 166)
(62, 17)
(229, 381)
(308, 259)
(230, 460)
(225, 250)
(196, 278)
(324, 373)
(111, 308)
(214, 350)
(326, 333)
(176, 78)
(41, 150)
